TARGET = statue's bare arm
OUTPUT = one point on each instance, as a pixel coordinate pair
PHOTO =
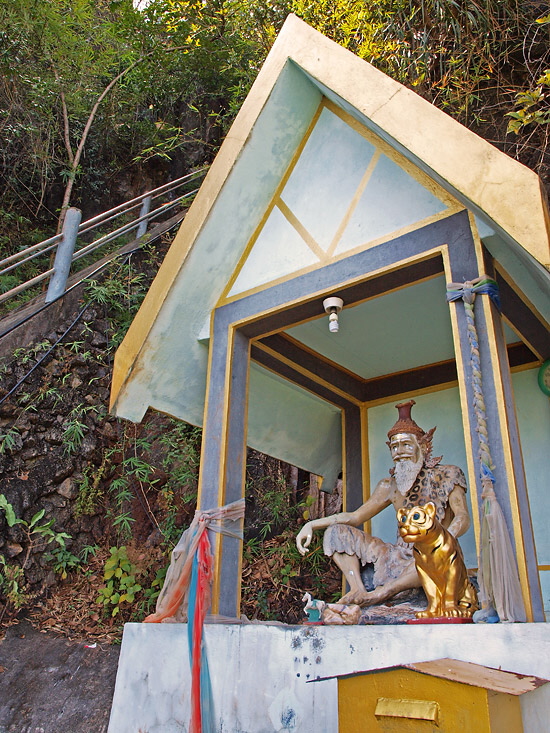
(461, 517)
(378, 501)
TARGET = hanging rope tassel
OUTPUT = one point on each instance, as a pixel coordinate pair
(497, 574)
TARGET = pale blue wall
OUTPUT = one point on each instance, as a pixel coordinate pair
(437, 408)
(170, 372)
(533, 411)
(326, 176)
(284, 417)
(391, 200)
(326, 182)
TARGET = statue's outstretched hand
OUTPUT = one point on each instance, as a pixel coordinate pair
(303, 538)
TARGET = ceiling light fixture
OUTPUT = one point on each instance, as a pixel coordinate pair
(333, 306)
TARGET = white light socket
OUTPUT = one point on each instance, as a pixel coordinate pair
(333, 306)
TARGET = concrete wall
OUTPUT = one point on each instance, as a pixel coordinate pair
(263, 676)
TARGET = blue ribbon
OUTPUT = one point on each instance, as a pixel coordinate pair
(487, 286)
(207, 698)
(487, 473)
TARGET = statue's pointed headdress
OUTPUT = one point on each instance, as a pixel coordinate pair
(405, 424)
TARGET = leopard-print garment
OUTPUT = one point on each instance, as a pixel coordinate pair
(391, 560)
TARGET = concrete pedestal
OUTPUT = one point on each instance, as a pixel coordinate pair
(262, 676)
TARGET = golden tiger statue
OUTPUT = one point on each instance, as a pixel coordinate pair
(439, 562)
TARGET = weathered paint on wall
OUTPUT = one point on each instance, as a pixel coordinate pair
(169, 374)
(262, 675)
(533, 410)
(294, 416)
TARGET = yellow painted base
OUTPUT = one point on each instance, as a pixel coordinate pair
(403, 701)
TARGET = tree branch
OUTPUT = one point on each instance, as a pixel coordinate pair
(78, 153)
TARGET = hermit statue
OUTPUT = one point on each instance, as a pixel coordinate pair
(377, 570)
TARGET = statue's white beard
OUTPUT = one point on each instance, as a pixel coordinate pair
(406, 472)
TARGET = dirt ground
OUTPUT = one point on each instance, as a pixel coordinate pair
(49, 684)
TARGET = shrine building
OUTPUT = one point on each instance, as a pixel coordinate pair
(335, 181)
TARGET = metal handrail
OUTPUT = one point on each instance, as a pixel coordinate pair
(130, 225)
(59, 241)
(52, 241)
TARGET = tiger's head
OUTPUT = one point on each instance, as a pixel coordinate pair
(416, 522)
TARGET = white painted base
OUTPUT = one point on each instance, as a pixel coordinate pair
(262, 675)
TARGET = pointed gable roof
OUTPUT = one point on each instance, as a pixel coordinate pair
(162, 362)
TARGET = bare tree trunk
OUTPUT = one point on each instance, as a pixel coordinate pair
(74, 158)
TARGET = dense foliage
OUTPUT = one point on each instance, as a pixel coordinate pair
(100, 98)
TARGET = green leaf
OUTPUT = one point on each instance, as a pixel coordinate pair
(37, 517)
(10, 516)
(9, 512)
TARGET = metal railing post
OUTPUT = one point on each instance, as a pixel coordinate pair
(145, 209)
(64, 254)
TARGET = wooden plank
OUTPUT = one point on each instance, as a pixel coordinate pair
(477, 675)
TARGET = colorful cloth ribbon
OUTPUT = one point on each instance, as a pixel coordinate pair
(187, 592)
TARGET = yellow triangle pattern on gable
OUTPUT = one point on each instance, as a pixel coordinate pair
(346, 191)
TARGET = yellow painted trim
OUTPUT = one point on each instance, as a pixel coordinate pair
(344, 462)
(526, 367)
(521, 295)
(221, 469)
(465, 406)
(381, 147)
(344, 481)
(428, 254)
(224, 297)
(365, 300)
(510, 468)
(206, 403)
(354, 201)
(316, 354)
(301, 386)
(394, 235)
(307, 373)
(365, 461)
(271, 283)
(302, 231)
(337, 258)
(544, 567)
(217, 538)
(226, 458)
(533, 364)
(386, 149)
(367, 403)
(412, 393)
(224, 461)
